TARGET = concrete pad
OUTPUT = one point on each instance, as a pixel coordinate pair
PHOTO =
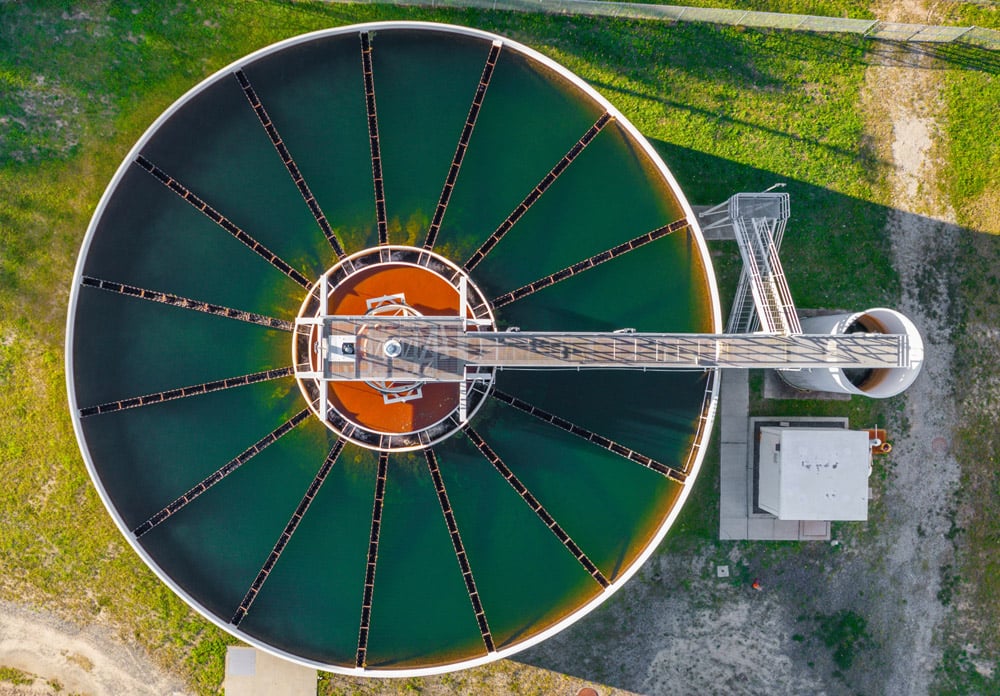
(733, 529)
(760, 528)
(785, 530)
(252, 672)
(734, 405)
(241, 662)
(733, 481)
(736, 518)
(732, 432)
(813, 530)
(733, 410)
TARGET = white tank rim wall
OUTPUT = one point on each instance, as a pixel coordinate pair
(711, 391)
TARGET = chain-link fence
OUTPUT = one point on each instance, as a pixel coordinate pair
(872, 28)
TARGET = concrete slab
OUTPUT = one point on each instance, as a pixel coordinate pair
(734, 405)
(785, 530)
(241, 662)
(760, 528)
(789, 530)
(737, 517)
(733, 409)
(733, 482)
(733, 529)
(252, 672)
(814, 530)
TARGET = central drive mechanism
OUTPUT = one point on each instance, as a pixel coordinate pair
(377, 284)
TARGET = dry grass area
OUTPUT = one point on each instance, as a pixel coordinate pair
(40, 652)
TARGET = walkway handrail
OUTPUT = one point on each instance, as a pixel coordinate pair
(438, 349)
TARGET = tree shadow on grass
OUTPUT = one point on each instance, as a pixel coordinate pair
(836, 254)
(831, 242)
(935, 56)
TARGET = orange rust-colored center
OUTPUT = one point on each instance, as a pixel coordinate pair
(427, 293)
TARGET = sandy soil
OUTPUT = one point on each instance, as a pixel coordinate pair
(81, 661)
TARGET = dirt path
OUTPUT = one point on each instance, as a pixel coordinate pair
(903, 98)
(81, 661)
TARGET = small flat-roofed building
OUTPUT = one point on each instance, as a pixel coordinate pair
(814, 473)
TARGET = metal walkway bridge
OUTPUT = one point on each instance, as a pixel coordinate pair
(441, 349)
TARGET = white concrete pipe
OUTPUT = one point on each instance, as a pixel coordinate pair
(878, 383)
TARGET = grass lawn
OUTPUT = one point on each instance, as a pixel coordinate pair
(729, 109)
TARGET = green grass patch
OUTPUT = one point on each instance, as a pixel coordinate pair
(961, 673)
(846, 633)
(979, 14)
(973, 163)
(698, 521)
(14, 676)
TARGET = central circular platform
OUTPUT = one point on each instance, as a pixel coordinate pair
(387, 281)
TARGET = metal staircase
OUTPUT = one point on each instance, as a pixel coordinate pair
(758, 224)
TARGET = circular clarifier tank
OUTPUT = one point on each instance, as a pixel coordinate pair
(400, 524)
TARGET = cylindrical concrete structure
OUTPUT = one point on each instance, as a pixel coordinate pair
(878, 383)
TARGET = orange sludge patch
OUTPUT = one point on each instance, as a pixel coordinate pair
(425, 291)
(429, 294)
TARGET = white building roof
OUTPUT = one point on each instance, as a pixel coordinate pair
(814, 473)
